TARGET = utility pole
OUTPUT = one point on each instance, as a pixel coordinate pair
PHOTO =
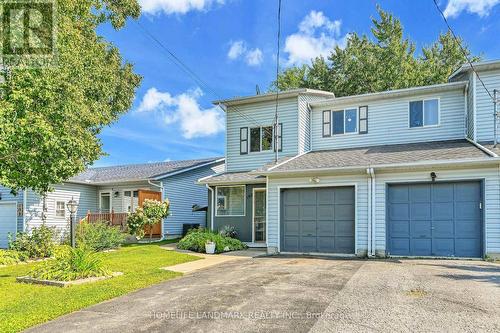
(495, 113)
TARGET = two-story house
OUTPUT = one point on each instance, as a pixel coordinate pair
(409, 172)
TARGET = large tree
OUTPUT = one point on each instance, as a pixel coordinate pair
(386, 61)
(50, 117)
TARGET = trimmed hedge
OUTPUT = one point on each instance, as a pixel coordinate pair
(196, 238)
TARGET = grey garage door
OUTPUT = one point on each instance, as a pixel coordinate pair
(318, 220)
(438, 219)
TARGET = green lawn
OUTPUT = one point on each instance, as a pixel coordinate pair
(24, 305)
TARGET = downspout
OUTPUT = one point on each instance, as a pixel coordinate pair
(212, 210)
(25, 209)
(369, 236)
(371, 213)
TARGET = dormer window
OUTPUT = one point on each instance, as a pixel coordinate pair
(424, 113)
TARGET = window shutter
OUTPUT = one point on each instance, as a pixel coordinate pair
(327, 128)
(243, 140)
(363, 119)
(279, 142)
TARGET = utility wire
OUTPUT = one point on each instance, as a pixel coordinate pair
(179, 63)
(462, 49)
(277, 86)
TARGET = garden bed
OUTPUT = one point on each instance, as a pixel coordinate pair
(63, 284)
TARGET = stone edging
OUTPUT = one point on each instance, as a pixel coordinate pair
(63, 284)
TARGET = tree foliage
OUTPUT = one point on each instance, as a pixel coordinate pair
(50, 117)
(388, 61)
(152, 212)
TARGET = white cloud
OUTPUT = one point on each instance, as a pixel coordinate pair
(254, 57)
(184, 110)
(236, 50)
(479, 7)
(239, 49)
(176, 6)
(317, 35)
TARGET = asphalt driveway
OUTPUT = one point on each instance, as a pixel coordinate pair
(299, 294)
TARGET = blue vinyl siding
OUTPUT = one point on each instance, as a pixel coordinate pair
(484, 104)
(388, 122)
(183, 193)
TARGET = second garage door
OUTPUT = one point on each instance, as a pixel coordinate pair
(438, 219)
(318, 220)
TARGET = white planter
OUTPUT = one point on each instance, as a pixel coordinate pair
(210, 248)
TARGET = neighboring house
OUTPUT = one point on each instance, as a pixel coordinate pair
(111, 193)
(408, 172)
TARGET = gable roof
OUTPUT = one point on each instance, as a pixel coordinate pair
(138, 172)
(271, 96)
(479, 66)
(381, 156)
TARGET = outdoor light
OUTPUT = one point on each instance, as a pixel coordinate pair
(433, 176)
(72, 206)
(314, 180)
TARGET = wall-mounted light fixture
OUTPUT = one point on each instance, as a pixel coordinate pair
(116, 194)
(433, 176)
(314, 180)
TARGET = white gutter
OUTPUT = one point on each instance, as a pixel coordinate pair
(373, 211)
(170, 174)
(483, 148)
(369, 172)
(212, 211)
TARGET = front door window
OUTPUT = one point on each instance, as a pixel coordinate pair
(259, 216)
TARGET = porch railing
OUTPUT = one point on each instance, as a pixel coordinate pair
(117, 219)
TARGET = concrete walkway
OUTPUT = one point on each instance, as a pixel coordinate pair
(209, 260)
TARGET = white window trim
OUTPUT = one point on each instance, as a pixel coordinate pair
(423, 111)
(64, 210)
(244, 200)
(258, 189)
(260, 140)
(344, 110)
(110, 192)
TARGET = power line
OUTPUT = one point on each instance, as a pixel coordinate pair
(179, 63)
(277, 86)
(462, 49)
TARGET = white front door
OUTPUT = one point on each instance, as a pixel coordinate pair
(8, 222)
(259, 215)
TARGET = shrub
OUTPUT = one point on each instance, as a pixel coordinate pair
(9, 257)
(71, 264)
(98, 236)
(151, 213)
(228, 231)
(39, 243)
(196, 238)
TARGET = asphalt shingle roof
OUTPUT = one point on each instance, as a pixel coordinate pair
(133, 172)
(380, 155)
(234, 177)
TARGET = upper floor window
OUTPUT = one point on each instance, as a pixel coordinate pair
(261, 139)
(424, 113)
(351, 120)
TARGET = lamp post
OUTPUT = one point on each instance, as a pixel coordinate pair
(72, 206)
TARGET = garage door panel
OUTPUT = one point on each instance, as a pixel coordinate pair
(398, 194)
(344, 195)
(451, 227)
(421, 247)
(326, 228)
(323, 220)
(420, 211)
(344, 212)
(291, 212)
(443, 192)
(443, 247)
(400, 246)
(307, 197)
(443, 228)
(443, 211)
(421, 229)
(400, 228)
(420, 193)
(325, 212)
(399, 211)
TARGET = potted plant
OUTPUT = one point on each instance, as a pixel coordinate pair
(210, 247)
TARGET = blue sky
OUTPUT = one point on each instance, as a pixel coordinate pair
(231, 45)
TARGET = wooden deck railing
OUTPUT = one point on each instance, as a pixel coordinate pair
(118, 219)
